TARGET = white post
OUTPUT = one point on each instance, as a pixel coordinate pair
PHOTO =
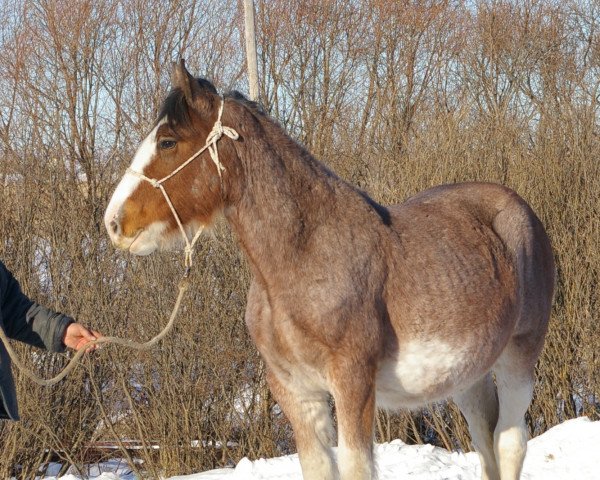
(251, 49)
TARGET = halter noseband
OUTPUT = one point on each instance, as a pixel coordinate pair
(213, 137)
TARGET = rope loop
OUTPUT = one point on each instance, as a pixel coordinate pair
(213, 137)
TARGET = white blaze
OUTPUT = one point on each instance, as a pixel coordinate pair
(129, 183)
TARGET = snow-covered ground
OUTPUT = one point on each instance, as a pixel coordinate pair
(570, 451)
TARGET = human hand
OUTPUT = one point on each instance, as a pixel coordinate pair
(77, 336)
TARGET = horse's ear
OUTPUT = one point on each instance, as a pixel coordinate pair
(197, 92)
(181, 78)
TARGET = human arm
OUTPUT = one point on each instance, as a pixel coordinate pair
(34, 324)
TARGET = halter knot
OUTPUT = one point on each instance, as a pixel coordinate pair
(215, 134)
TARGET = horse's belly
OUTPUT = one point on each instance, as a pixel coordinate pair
(426, 371)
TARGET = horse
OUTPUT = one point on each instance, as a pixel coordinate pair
(446, 295)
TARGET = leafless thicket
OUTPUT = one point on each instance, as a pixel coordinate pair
(395, 96)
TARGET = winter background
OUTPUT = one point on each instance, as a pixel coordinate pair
(395, 97)
(567, 451)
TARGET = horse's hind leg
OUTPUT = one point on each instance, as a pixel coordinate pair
(479, 405)
(514, 381)
(310, 417)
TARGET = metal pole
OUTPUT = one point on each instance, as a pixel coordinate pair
(251, 49)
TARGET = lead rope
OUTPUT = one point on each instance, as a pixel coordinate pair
(183, 286)
(213, 137)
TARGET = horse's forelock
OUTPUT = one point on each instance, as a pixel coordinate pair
(176, 109)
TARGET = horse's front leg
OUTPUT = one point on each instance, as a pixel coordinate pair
(353, 389)
(310, 416)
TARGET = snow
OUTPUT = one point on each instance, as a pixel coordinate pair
(111, 470)
(569, 451)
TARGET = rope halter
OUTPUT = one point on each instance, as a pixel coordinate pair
(218, 130)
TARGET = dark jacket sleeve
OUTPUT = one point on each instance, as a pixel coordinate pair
(27, 321)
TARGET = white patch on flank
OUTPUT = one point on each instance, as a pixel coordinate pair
(422, 371)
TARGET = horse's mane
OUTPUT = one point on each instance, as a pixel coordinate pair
(258, 111)
(255, 107)
(175, 107)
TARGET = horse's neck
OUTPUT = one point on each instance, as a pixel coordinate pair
(286, 195)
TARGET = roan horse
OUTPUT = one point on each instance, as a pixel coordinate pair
(446, 295)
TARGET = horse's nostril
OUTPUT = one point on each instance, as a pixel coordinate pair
(114, 226)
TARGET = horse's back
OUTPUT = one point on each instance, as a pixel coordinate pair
(458, 210)
(484, 198)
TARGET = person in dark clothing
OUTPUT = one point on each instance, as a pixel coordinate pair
(29, 322)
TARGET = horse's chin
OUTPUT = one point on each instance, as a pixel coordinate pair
(149, 240)
(142, 247)
(146, 244)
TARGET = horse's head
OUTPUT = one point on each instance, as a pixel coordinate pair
(165, 193)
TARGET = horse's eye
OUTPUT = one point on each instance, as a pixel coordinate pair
(167, 144)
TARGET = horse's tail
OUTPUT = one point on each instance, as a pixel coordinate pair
(525, 237)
